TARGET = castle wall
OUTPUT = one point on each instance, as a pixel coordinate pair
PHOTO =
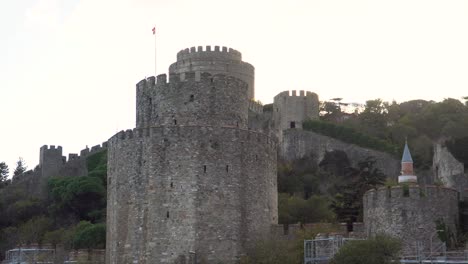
(294, 107)
(412, 216)
(298, 143)
(53, 164)
(175, 190)
(218, 60)
(448, 169)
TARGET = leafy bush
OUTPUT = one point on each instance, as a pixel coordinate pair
(378, 250)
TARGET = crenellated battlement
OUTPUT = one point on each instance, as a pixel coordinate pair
(296, 93)
(176, 78)
(413, 192)
(215, 60)
(52, 147)
(255, 106)
(209, 52)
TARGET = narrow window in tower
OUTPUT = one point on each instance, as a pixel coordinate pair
(227, 168)
(167, 214)
(204, 168)
(175, 122)
(293, 124)
(172, 185)
(191, 98)
(211, 79)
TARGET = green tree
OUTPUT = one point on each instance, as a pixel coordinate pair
(280, 251)
(89, 235)
(378, 250)
(347, 202)
(33, 231)
(20, 167)
(3, 174)
(82, 196)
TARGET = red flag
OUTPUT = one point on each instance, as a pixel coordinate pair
(154, 30)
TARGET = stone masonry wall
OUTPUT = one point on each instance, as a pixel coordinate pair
(298, 143)
(180, 189)
(448, 169)
(411, 217)
(219, 60)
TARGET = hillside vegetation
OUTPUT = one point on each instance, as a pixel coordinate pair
(72, 214)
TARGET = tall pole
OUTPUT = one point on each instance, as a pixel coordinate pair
(155, 60)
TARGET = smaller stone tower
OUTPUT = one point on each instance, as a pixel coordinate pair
(407, 173)
(290, 110)
(50, 160)
(220, 60)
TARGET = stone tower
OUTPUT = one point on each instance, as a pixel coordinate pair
(291, 109)
(190, 181)
(51, 160)
(221, 60)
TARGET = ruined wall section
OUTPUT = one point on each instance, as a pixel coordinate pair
(192, 98)
(215, 60)
(410, 215)
(179, 189)
(448, 169)
(297, 144)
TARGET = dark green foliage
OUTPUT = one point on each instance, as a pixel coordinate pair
(80, 195)
(25, 219)
(20, 167)
(293, 209)
(459, 149)
(3, 174)
(89, 235)
(445, 234)
(378, 250)
(278, 251)
(347, 202)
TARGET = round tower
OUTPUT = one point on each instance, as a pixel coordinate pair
(411, 213)
(190, 181)
(220, 60)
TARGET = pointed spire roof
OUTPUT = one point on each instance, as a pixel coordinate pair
(406, 154)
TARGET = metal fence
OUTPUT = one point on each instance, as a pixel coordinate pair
(29, 255)
(322, 250)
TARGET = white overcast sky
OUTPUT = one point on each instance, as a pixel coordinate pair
(68, 68)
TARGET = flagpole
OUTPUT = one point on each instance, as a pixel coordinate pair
(155, 60)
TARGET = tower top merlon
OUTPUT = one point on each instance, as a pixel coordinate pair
(217, 53)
